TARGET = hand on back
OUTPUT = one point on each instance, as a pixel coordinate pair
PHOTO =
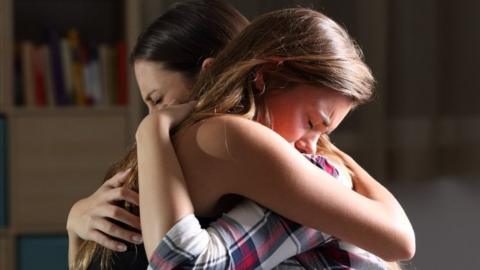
(91, 218)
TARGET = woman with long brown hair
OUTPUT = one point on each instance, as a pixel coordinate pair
(297, 74)
(104, 228)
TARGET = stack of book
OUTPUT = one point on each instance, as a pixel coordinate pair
(66, 71)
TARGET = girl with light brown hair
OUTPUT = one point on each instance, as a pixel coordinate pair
(104, 228)
(275, 92)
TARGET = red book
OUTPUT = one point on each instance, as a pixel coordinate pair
(38, 66)
(122, 96)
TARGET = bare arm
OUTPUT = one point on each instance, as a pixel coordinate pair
(164, 197)
(282, 179)
(258, 164)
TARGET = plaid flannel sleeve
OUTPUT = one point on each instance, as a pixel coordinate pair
(248, 237)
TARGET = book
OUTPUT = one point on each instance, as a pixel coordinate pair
(66, 58)
(87, 75)
(49, 91)
(107, 73)
(18, 97)
(95, 76)
(76, 69)
(38, 65)
(28, 80)
(57, 69)
(122, 91)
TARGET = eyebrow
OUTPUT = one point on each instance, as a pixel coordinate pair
(326, 119)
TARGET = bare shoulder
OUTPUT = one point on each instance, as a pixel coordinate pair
(226, 154)
(227, 136)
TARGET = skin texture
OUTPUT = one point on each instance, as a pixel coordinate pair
(241, 154)
(301, 115)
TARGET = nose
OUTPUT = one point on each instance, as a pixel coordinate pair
(307, 144)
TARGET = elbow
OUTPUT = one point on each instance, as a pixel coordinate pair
(404, 249)
(404, 253)
(408, 249)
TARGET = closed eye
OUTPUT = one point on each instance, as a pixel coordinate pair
(310, 124)
(157, 101)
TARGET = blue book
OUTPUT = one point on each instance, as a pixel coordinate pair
(57, 70)
(3, 172)
(42, 252)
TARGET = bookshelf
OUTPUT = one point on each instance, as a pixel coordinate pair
(57, 152)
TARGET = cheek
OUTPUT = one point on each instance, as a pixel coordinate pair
(289, 125)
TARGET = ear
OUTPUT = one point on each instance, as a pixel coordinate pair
(259, 82)
(207, 63)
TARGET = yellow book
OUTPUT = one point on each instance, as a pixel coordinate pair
(77, 67)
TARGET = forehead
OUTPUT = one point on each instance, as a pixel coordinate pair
(152, 76)
(330, 105)
(319, 96)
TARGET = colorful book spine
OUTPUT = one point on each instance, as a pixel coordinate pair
(3, 172)
(96, 76)
(38, 65)
(122, 97)
(57, 70)
(76, 69)
(27, 73)
(67, 72)
(107, 73)
(49, 85)
(66, 57)
(18, 95)
(87, 76)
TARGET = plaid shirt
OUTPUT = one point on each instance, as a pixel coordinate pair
(253, 237)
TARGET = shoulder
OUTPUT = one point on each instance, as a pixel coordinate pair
(233, 124)
(227, 135)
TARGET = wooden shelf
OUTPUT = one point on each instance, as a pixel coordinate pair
(68, 111)
(59, 154)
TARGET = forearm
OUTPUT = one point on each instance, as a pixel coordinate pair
(366, 185)
(74, 244)
(163, 194)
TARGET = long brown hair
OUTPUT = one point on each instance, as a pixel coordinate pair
(289, 46)
(181, 39)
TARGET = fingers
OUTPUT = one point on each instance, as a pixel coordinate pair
(118, 179)
(123, 194)
(107, 242)
(120, 214)
(113, 230)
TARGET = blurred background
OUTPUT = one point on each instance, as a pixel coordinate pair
(419, 137)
